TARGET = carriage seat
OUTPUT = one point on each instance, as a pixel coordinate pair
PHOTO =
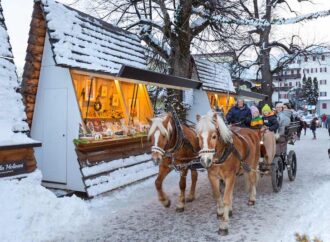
(288, 137)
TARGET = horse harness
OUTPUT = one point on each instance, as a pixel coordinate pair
(180, 142)
(231, 149)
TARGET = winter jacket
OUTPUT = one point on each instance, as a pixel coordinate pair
(324, 118)
(328, 122)
(289, 114)
(257, 122)
(283, 121)
(271, 122)
(313, 124)
(240, 116)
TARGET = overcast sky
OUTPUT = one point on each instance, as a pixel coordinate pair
(18, 16)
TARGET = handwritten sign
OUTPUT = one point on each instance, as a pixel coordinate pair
(12, 168)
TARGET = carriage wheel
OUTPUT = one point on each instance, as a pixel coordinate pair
(277, 174)
(292, 161)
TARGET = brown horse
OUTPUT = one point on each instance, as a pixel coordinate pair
(225, 152)
(167, 153)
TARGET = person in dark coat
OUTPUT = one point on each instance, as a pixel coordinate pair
(270, 119)
(313, 127)
(301, 126)
(239, 115)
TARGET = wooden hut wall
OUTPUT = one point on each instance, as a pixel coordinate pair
(33, 59)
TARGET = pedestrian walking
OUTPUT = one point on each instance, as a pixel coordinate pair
(313, 127)
(328, 124)
(324, 121)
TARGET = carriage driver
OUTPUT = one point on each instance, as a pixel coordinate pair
(239, 114)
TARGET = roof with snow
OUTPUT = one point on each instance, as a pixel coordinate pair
(12, 113)
(81, 41)
(214, 76)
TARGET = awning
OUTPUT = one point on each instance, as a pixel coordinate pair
(156, 78)
(251, 95)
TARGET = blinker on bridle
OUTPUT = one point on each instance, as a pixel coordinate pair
(158, 150)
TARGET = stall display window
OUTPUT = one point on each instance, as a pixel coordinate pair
(111, 109)
(221, 101)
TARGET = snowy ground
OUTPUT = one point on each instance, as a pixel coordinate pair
(134, 213)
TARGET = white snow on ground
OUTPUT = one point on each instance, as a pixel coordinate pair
(30, 212)
(134, 213)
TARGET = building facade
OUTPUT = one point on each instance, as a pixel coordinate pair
(291, 78)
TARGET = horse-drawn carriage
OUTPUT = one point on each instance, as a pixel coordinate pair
(223, 150)
(283, 159)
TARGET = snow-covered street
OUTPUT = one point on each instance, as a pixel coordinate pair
(134, 213)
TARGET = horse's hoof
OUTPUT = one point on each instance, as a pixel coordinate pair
(189, 199)
(219, 216)
(251, 203)
(179, 210)
(223, 232)
(230, 213)
(167, 204)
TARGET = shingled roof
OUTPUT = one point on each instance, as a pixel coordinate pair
(215, 77)
(81, 41)
(12, 113)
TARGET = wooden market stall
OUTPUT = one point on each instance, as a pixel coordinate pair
(85, 86)
(217, 90)
(16, 148)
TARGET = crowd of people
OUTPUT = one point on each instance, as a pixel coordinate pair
(275, 120)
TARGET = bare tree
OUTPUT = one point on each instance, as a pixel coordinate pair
(267, 54)
(171, 28)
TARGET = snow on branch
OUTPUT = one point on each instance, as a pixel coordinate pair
(265, 23)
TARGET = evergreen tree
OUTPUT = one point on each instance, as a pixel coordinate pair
(304, 87)
(315, 95)
(310, 90)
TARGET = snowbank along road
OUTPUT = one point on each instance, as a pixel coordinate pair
(134, 213)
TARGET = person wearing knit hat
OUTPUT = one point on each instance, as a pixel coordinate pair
(266, 109)
(269, 118)
(256, 121)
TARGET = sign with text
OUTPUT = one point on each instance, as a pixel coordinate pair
(10, 168)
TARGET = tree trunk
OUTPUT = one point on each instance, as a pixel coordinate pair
(266, 74)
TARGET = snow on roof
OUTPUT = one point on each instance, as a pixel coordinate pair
(12, 114)
(215, 77)
(81, 41)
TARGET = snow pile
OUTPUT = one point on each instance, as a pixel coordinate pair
(11, 106)
(120, 177)
(30, 212)
(82, 41)
(315, 219)
(115, 164)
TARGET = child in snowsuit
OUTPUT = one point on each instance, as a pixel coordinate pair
(256, 121)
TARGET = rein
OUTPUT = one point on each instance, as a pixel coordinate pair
(180, 141)
(228, 150)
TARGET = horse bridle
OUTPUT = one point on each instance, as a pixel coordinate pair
(157, 149)
(229, 148)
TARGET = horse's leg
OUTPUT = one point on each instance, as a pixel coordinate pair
(162, 197)
(253, 179)
(215, 183)
(182, 197)
(228, 203)
(194, 176)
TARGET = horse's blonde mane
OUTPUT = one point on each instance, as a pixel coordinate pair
(206, 123)
(157, 122)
